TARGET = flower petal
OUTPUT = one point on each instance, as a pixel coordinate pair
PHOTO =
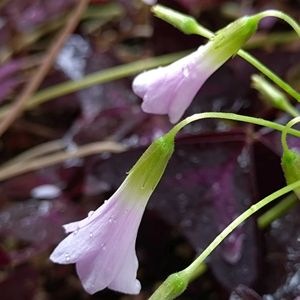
(149, 98)
(126, 281)
(80, 242)
(103, 264)
(92, 275)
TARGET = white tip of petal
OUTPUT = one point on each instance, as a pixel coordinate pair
(138, 85)
(61, 257)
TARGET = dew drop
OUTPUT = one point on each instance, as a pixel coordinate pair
(186, 72)
(91, 235)
(111, 220)
(90, 213)
(67, 257)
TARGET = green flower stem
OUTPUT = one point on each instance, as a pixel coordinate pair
(233, 117)
(192, 271)
(263, 222)
(280, 15)
(182, 21)
(277, 211)
(288, 126)
(97, 78)
(176, 283)
(271, 75)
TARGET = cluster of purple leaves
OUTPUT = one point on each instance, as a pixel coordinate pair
(218, 170)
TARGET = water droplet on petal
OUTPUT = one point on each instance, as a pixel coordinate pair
(103, 247)
(111, 220)
(90, 213)
(186, 72)
(91, 235)
(67, 257)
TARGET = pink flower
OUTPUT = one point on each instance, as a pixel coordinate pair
(103, 244)
(95, 243)
(171, 89)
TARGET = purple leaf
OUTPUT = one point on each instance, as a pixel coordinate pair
(244, 293)
(25, 278)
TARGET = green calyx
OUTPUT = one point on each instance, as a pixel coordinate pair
(172, 287)
(148, 170)
(231, 38)
(290, 163)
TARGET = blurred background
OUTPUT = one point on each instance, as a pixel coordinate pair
(74, 140)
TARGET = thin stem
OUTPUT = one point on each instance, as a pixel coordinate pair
(288, 127)
(282, 16)
(38, 77)
(277, 211)
(263, 221)
(192, 270)
(233, 117)
(96, 78)
(271, 75)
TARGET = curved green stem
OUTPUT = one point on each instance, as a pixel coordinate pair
(286, 130)
(233, 117)
(192, 270)
(277, 211)
(270, 74)
(280, 15)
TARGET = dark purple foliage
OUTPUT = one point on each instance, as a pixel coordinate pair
(218, 170)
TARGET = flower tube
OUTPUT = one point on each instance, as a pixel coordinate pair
(103, 244)
(171, 89)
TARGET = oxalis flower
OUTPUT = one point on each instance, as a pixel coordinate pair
(171, 89)
(103, 244)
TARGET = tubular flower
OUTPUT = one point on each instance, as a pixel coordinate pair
(103, 244)
(171, 89)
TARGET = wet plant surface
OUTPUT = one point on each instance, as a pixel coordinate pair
(218, 170)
